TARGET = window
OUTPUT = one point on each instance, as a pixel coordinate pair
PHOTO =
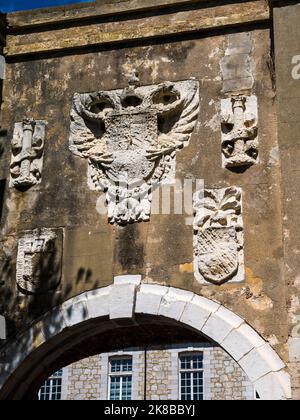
(51, 389)
(191, 377)
(120, 379)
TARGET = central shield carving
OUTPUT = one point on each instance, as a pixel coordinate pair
(130, 138)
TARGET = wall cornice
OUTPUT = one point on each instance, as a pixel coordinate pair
(104, 23)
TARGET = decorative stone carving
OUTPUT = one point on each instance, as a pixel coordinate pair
(239, 131)
(219, 236)
(130, 138)
(39, 261)
(27, 153)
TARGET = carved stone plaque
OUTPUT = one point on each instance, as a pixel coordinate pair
(130, 138)
(239, 132)
(218, 237)
(27, 154)
(39, 261)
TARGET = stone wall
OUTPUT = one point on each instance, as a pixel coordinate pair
(255, 205)
(82, 380)
(287, 52)
(159, 375)
(228, 381)
(161, 249)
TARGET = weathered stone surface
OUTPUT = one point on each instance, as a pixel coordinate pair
(76, 311)
(288, 99)
(236, 66)
(114, 32)
(96, 252)
(97, 8)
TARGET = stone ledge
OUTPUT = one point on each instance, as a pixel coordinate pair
(96, 9)
(133, 29)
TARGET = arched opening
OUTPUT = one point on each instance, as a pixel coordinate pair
(128, 315)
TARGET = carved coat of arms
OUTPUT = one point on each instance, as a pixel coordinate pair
(39, 261)
(130, 138)
(27, 153)
(218, 238)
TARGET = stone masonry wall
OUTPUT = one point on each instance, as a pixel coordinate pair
(159, 370)
(228, 381)
(83, 379)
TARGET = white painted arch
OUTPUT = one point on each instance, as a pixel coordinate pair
(128, 297)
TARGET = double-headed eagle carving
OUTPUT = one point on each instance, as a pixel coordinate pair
(130, 138)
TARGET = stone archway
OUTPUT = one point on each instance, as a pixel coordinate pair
(121, 303)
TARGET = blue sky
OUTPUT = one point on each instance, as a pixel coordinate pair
(14, 5)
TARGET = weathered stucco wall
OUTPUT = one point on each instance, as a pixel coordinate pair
(42, 87)
(288, 88)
